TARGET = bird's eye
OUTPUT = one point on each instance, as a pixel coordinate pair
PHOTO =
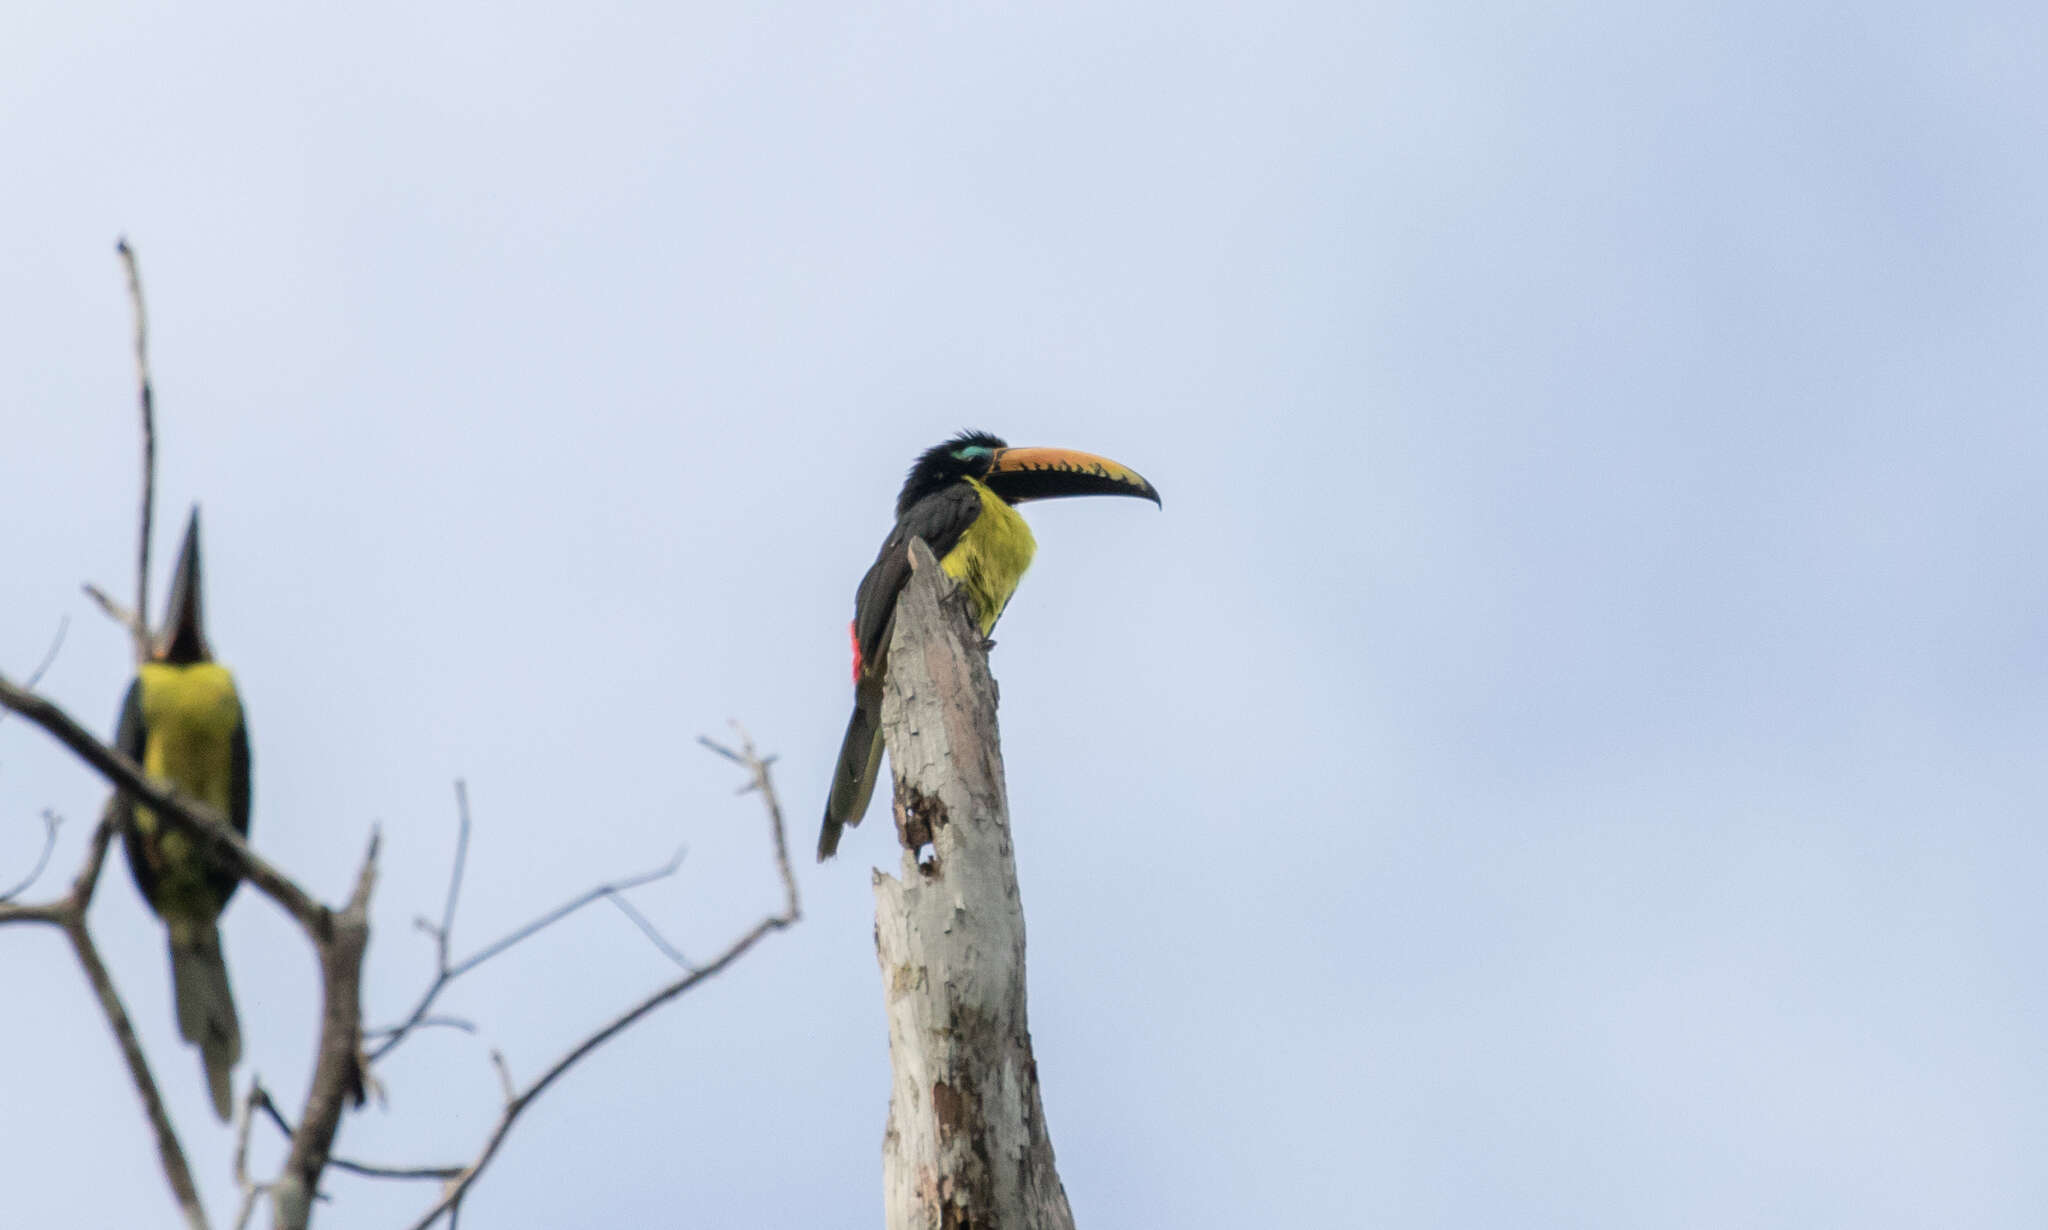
(973, 452)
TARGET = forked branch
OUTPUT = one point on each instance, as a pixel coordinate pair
(517, 1100)
(446, 972)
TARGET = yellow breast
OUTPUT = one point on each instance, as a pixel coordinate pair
(190, 714)
(991, 556)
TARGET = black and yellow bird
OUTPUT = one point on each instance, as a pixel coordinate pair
(182, 721)
(958, 498)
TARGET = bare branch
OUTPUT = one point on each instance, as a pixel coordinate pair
(169, 1152)
(450, 1203)
(426, 1022)
(505, 1081)
(446, 933)
(42, 912)
(83, 885)
(446, 973)
(368, 1171)
(51, 823)
(758, 767)
(88, 879)
(567, 908)
(648, 929)
(338, 1069)
(50, 655)
(115, 611)
(722, 750)
(261, 1101)
(138, 623)
(250, 1190)
(248, 1206)
(69, 914)
(35, 676)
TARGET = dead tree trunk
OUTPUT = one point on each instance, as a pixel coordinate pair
(966, 1147)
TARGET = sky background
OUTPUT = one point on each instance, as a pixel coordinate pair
(1567, 754)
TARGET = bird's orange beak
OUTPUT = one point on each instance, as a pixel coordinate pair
(1020, 474)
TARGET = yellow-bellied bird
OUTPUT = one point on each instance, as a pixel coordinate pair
(183, 722)
(958, 499)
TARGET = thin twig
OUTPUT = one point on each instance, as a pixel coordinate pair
(563, 911)
(722, 750)
(392, 1035)
(450, 1203)
(147, 396)
(250, 1189)
(51, 822)
(250, 1195)
(272, 1113)
(436, 1021)
(50, 655)
(69, 913)
(446, 935)
(505, 1081)
(338, 1067)
(366, 1169)
(113, 610)
(168, 1149)
(83, 885)
(35, 677)
(648, 929)
(759, 766)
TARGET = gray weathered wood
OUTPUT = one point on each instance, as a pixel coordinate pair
(966, 1145)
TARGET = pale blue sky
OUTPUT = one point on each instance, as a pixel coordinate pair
(1565, 755)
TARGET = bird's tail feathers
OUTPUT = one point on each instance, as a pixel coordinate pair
(206, 1009)
(860, 759)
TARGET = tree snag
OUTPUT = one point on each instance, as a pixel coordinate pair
(966, 1146)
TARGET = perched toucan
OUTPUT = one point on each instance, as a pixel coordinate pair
(183, 722)
(958, 499)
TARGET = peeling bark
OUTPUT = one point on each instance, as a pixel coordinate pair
(966, 1146)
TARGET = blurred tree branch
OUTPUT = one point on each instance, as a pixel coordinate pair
(391, 1035)
(518, 1100)
(51, 823)
(68, 913)
(137, 620)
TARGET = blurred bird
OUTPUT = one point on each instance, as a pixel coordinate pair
(957, 498)
(183, 723)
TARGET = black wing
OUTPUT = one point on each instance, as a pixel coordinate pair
(939, 519)
(222, 881)
(238, 795)
(130, 739)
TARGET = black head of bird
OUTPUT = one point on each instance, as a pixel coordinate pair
(1016, 474)
(958, 497)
